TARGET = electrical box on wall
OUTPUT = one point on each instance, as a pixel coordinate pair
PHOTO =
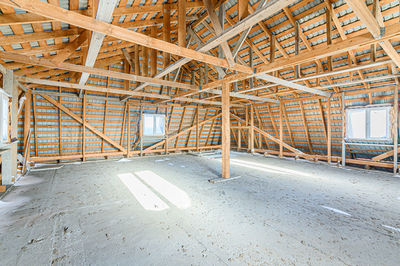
(4, 99)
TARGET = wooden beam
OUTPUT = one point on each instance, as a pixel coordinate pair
(70, 49)
(243, 10)
(120, 11)
(270, 8)
(376, 28)
(182, 23)
(329, 127)
(292, 85)
(395, 126)
(38, 36)
(27, 120)
(338, 47)
(226, 138)
(47, 10)
(103, 13)
(219, 29)
(97, 71)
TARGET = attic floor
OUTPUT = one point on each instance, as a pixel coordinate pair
(162, 210)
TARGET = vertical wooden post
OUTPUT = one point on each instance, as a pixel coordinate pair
(280, 132)
(27, 120)
(226, 138)
(272, 49)
(343, 131)
(153, 54)
(182, 23)
(84, 127)
(239, 147)
(35, 123)
(396, 129)
(251, 129)
(145, 61)
(329, 131)
(329, 35)
(166, 129)
(137, 62)
(128, 141)
(141, 131)
(197, 129)
(59, 125)
(247, 127)
(296, 48)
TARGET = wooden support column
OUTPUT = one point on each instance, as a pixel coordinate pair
(329, 142)
(59, 125)
(251, 129)
(137, 62)
(141, 131)
(166, 32)
(145, 62)
(239, 138)
(396, 126)
(272, 49)
(153, 55)
(128, 142)
(197, 129)
(329, 35)
(280, 132)
(35, 119)
(27, 120)
(167, 121)
(343, 131)
(182, 23)
(226, 138)
(84, 127)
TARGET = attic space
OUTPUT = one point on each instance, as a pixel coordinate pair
(199, 132)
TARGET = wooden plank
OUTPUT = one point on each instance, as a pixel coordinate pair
(182, 23)
(27, 118)
(83, 127)
(329, 128)
(396, 124)
(293, 85)
(153, 55)
(226, 138)
(243, 9)
(280, 132)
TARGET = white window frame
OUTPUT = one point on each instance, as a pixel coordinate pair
(154, 118)
(4, 112)
(368, 110)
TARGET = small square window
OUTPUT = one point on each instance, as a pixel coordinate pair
(368, 123)
(153, 125)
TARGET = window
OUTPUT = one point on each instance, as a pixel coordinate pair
(3, 117)
(153, 125)
(368, 123)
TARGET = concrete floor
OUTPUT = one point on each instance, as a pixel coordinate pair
(163, 211)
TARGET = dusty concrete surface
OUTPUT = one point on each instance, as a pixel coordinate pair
(163, 211)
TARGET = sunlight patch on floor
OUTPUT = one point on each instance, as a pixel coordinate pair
(147, 198)
(169, 191)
